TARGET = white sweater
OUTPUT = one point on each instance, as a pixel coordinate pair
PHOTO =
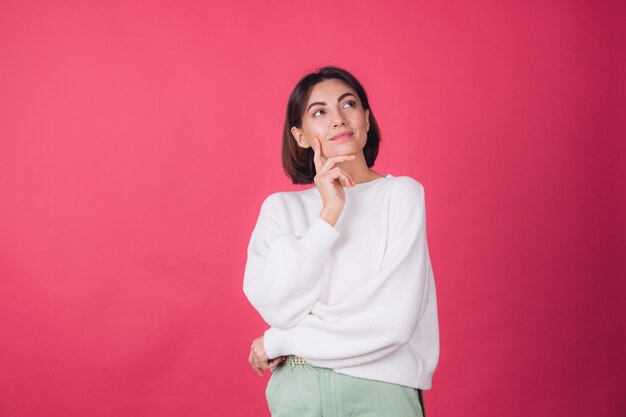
(358, 297)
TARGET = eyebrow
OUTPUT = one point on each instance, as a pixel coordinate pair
(341, 97)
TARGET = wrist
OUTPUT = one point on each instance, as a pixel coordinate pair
(330, 216)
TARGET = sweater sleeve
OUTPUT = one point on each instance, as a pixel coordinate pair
(282, 278)
(380, 315)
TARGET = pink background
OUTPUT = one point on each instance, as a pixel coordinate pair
(138, 140)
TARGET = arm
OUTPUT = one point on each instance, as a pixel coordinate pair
(382, 314)
(282, 278)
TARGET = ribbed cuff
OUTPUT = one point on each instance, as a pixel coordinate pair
(274, 342)
(320, 237)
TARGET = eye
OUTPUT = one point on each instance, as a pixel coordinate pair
(351, 102)
(316, 112)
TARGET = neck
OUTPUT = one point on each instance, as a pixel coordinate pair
(358, 170)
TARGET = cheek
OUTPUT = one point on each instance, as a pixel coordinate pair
(361, 122)
(317, 129)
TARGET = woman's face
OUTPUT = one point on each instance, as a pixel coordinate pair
(334, 114)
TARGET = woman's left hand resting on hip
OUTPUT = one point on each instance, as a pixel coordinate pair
(258, 358)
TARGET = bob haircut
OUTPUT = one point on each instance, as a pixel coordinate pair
(298, 162)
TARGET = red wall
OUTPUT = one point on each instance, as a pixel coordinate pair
(138, 140)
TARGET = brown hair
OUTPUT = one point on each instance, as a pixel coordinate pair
(298, 162)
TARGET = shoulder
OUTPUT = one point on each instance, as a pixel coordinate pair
(282, 199)
(407, 188)
(407, 202)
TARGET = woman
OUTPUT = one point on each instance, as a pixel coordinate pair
(341, 271)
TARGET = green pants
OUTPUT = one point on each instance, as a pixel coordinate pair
(296, 390)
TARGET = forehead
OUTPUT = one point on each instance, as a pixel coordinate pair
(329, 90)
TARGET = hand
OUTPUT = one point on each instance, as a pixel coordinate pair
(258, 358)
(330, 181)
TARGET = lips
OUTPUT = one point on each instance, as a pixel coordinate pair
(342, 136)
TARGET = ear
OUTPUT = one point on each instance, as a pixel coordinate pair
(298, 135)
(367, 120)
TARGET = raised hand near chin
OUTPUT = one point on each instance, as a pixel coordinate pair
(330, 180)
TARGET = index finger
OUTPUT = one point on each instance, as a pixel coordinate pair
(317, 155)
(335, 159)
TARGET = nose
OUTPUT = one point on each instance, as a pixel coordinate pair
(339, 120)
